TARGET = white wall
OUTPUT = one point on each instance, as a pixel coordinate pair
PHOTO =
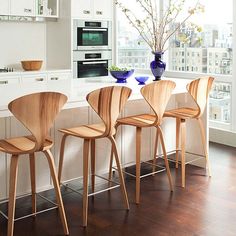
(22, 41)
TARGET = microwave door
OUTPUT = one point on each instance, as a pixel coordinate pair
(92, 68)
(92, 38)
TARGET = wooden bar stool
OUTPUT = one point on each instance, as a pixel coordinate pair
(199, 90)
(157, 95)
(37, 113)
(107, 103)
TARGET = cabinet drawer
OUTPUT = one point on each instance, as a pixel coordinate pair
(39, 78)
(9, 80)
(54, 77)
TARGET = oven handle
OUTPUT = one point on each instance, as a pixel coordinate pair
(94, 62)
(86, 29)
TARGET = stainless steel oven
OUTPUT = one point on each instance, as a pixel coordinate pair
(91, 35)
(91, 63)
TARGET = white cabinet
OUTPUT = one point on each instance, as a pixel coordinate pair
(4, 7)
(47, 8)
(102, 9)
(59, 82)
(7, 85)
(81, 8)
(22, 7)
(32, 83)
(92, 9)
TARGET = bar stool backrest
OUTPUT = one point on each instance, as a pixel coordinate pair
(157, 94)
(37, 113)
(108, 102)
(199, 89)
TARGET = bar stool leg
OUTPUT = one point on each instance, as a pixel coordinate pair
(33, 182)
(177, 143)
(204, 145)
(138, 160)
(51, 164)
(61, 158)
(122, 182)
(165, 158)
(111, 159)
(183, 140)
(85, 181)
(155, 151)
(93, 164)
(12, 194)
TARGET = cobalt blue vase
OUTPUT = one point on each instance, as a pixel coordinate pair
(157, 66)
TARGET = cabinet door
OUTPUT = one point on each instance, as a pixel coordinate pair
(4, 9)
(59, 82)
(22, 7)
(102, 9)
(82, 8)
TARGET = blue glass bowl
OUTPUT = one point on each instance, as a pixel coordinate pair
(141, 79)
(121, 76)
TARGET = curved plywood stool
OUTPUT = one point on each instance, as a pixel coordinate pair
(107, 103)
(37, 113)
(199, 90)
(157, 95)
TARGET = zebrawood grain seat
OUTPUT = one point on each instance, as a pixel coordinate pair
(157, 95)
(107, 103)
(37, 113)
(143, 120)
(86, 131)
(22, 145)
(199, 90)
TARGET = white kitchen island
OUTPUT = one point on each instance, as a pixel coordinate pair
(77, 112)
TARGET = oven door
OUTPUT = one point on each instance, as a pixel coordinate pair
(96, 68)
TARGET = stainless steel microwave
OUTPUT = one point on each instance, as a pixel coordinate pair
(92, 35)
(91, 63)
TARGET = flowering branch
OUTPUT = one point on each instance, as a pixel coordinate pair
(156, 28)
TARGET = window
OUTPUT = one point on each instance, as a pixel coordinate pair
(212, 54)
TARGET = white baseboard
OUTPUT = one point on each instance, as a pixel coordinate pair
(222, 136)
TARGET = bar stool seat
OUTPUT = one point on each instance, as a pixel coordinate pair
(87, 131)
(22, 145)
(143, 120)
(182, 113)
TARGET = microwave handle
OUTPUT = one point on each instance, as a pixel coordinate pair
(94, 62)
(95, 29)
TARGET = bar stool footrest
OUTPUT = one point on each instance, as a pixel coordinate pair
(32, 214)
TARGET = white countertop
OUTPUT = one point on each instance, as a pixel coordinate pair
(81, 87)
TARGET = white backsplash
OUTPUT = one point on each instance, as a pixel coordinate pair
(22, 41)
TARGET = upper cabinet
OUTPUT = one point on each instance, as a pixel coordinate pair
(4, 7)
(32, 8)
(47, 8)
(22, 7)
(92, 9)
(102, 9)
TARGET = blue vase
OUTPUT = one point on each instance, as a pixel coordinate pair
(158, 66)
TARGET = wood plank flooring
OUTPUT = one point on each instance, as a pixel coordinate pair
(207, 207)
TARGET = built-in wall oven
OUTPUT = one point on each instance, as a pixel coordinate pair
(91, 63)
(91, 35)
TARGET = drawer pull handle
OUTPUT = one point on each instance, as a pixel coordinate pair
(4, 82)
(39, 79)
(54, 78)
(99, 12)
(27, 10)
(86, 12)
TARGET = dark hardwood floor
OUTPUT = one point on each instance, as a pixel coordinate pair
(206, 207)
